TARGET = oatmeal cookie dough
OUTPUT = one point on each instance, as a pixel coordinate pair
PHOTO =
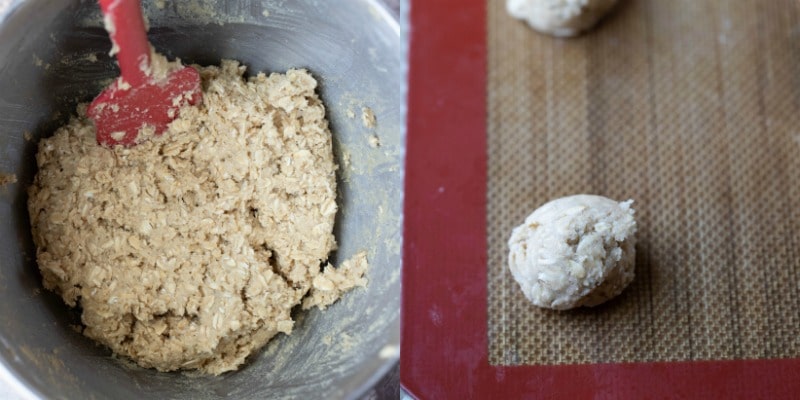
(574, 251)
(189, 250)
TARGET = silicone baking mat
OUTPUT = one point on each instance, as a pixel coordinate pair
(689, 107)
(692, 109)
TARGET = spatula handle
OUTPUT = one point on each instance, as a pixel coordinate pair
(128, 32)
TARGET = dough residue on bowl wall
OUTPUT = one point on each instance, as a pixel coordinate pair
(368, 118)
(7, 179)
(190, 250)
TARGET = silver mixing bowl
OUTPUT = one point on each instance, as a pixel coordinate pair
(47, 66)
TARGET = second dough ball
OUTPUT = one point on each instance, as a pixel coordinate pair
(560, 17)
(574, 251)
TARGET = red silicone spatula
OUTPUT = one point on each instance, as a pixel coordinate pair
(136, 99)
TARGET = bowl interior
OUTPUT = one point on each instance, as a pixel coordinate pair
(54, 54)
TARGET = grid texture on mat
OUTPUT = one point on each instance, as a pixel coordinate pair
(692, 109)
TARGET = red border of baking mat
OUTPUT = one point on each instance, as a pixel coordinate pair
(444, 353)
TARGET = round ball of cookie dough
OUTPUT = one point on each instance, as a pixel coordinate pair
(559, 17)
(574, 251)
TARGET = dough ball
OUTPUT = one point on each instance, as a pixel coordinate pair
(560, 17)
(574, 251)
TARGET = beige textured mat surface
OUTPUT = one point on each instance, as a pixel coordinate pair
(692, 109)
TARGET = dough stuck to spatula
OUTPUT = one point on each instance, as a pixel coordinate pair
(574, 251)
(561, 18)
